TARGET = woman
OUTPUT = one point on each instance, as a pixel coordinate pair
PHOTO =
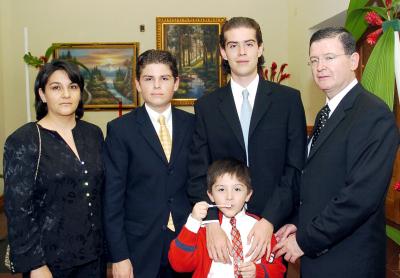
(53, 177)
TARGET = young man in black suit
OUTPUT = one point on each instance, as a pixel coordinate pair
(341, 227)
(145, 200)
(254, 121)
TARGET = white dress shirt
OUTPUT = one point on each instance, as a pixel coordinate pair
(237, 93)
(334, 102)
(154, 115)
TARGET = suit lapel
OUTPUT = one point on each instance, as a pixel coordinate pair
(337, 116)
(228, 110)
(261, 105)
(179, 124)
(149, 133)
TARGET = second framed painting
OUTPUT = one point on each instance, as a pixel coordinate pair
(109, 72)
(194, 42)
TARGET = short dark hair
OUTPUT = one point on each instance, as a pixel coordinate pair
(237, 22)
(154, 56)
(345, 37)
(42, 78)
(232, 167)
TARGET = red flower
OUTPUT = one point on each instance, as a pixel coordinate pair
(397, 186)
(283, 66)
(388, 4)
(373, 37)
(373, 19)
(283, 77)
(273, 75)
(43, 58)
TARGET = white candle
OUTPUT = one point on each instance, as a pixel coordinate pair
(27, 90)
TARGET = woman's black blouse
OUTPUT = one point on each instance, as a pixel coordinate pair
(57, 219)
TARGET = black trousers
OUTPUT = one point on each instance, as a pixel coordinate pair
(93, 269)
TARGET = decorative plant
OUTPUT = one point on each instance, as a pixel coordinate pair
(38, 62)
(383, 67)
(273, 75)
(379, 73)
(391, 232)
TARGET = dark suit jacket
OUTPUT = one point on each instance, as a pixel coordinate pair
(277, 137)
(142, 187)
(343, 186)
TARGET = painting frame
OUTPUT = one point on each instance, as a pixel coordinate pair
(166, 40)
(91, 55)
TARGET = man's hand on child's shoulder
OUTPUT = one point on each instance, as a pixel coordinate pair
(199, 211)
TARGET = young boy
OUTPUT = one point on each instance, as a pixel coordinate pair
(145, 156)
(228, 186)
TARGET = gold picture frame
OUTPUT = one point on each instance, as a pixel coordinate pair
(109, 70)
(194, 41)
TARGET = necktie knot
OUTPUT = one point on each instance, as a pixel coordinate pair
(245, 94)
(161, 120)
(325, 111)
(321, 122)
(233, 222)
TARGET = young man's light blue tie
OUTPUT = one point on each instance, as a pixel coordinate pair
(245, 116)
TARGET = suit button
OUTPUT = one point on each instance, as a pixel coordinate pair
(301, 203)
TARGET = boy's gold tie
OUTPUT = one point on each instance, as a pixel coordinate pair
(166, 143)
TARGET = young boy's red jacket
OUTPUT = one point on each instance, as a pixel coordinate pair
(188, 253)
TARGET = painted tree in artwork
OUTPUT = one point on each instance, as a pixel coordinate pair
(210, 44)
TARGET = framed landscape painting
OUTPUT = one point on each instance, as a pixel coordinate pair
(194, 41)
(109, 72)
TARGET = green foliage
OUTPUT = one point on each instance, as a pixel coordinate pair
(356, 4)
(32, 60)
(50, 50)
(355, 21)
(378, 76)
(38, 62)
(393, 234)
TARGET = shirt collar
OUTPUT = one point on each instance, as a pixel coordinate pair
(251, 88)
(238, 216)
(154, 115)
(334, 102)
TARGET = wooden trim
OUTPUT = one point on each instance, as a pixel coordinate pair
(1, 203)
(1, 198)
(309, 129)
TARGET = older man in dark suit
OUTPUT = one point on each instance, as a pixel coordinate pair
(341, 225)
(254, 121)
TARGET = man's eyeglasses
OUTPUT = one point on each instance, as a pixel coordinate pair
(326, 58)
